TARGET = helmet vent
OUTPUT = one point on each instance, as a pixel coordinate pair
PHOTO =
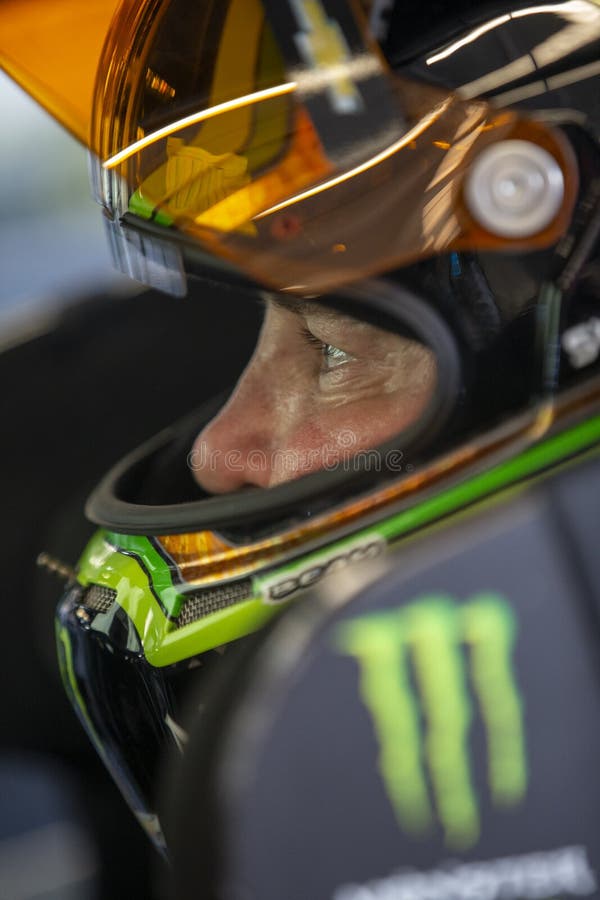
(99, 598)
(203, 603)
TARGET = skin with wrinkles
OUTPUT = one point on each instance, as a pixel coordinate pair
(320, 385)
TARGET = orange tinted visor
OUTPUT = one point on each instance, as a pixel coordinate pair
(53, 49)
(271, 133)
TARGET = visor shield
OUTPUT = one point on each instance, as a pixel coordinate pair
(274, 136)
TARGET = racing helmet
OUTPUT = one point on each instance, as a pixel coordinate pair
(424, 178)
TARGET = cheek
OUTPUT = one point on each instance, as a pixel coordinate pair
(331, 435)
(306, 447)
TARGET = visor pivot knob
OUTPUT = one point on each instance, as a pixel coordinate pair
(514, 189)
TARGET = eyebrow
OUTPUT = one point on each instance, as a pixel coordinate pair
(295, 304)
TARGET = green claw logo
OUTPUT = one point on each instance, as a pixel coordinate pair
(422, 668)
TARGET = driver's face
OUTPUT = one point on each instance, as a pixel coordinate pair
(320, 387)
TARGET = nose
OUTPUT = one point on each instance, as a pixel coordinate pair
(234, 449)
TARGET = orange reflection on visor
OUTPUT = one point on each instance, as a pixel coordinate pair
(52, 49)
(249, 176)
(204, 121)
(405, 204)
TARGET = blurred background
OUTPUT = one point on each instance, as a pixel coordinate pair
(91, 364)
(51, 235)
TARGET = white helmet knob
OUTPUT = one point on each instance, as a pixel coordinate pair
(514, 189)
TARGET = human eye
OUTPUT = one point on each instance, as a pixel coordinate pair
(330, 356)
(334, 356)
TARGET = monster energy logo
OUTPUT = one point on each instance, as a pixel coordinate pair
(533, 876)
(420, 667)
